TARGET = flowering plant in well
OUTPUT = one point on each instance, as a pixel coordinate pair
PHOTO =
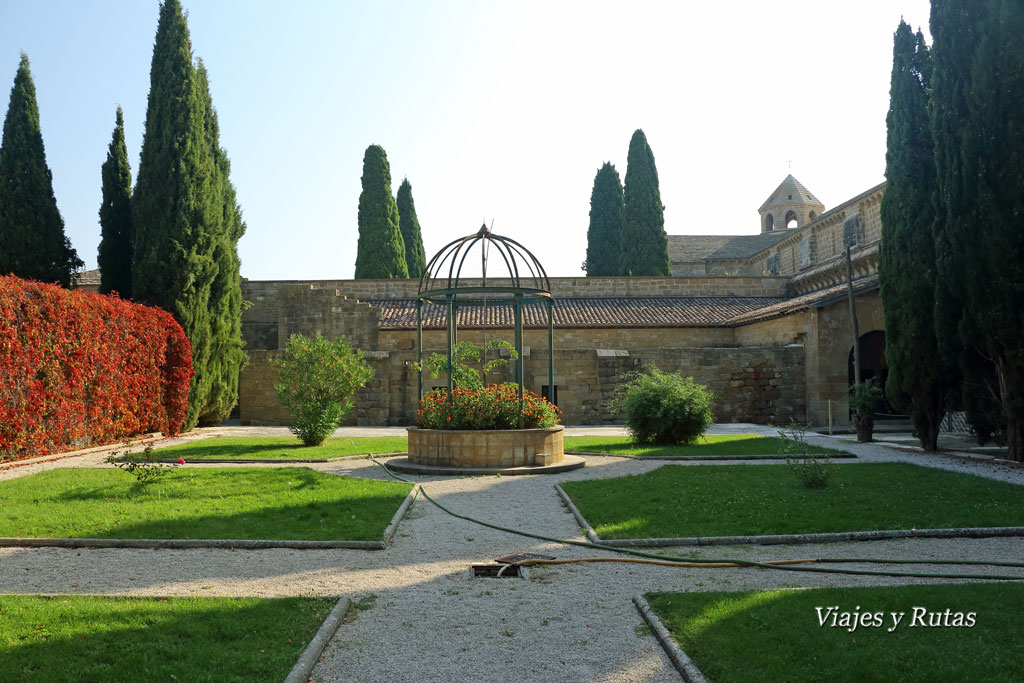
(492, 407)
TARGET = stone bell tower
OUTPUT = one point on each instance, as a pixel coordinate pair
(790, 202)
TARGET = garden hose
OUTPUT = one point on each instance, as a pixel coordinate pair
(797, 565)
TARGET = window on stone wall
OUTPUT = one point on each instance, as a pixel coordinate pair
(811, 216)
(805, 253)
(852, 232)
(791, 221)
(769, 222)
(772, 264)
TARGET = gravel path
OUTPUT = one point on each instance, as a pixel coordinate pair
(431, 621)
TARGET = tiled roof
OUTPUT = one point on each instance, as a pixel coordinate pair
(802, 303)
(791, 187)
(584, 312)
(690, 248)
(87, 278)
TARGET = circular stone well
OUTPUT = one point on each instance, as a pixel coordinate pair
(525, 451)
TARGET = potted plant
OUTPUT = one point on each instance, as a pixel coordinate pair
(863, 397)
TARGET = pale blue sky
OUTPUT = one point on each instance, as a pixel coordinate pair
(501, 111)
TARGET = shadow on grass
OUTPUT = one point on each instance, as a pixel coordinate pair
(119, 639)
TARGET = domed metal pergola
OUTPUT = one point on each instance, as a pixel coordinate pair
(443, 284)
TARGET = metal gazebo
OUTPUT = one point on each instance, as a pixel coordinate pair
(442, 284)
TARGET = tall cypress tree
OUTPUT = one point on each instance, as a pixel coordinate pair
(32, 240)
(116, 241)
(176, 200)
(380, 253)
(226, 355)
(918, 379)
(604, 234)
(978, 103)
(415, 258)
(644, 242)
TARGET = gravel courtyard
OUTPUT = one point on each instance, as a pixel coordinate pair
(424, 618)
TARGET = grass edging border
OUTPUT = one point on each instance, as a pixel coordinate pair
(777, 539)
(697, 458)
(280, 461)
(139, 440)
(311, 655)
(236, 544)
(684, 665)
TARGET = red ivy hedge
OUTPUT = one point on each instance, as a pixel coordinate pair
(79, 369)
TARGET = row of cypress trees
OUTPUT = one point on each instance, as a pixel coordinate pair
(390, 242)
(626, 235)
(173, 242)
(951, 266)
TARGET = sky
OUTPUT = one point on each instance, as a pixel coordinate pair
(496, 112)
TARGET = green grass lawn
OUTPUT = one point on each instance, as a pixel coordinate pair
(294, 503)
(712, 444)
(735, 500)
(776, 636)
(281, 448)
(87, 638)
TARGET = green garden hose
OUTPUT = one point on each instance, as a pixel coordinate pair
(712, 563)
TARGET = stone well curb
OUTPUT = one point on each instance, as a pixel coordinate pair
(311, 655)
(236, 544)
(777, 539)
(684, 665)
(699, 458)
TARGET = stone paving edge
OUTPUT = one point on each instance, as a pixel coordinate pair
(311, 655)
(683, 664)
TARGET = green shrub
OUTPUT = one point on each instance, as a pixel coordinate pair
(316, 377)
(812, 471)
(663, 408)
(493, 407)
(463, 354)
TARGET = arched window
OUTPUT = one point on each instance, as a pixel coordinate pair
(811, 216)
(769, 223)
(791, 221)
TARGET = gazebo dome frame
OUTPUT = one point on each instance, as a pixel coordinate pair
(442, 284)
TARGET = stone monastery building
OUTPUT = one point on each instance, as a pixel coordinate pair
(762, 319)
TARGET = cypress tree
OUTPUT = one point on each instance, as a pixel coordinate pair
(415, 258)
(115, 251)
(644, 242)
(380, 253)
(175, 204)
(918, 380)
(604, 234)
(32, 240)
(978, 103)
(226, 355)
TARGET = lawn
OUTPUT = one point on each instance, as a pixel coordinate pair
(776, 636)
(281, 448)
(78, 638)
(294, 503)
(676, 501)
(712, 444)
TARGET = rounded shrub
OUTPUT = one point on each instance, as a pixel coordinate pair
(664, 408)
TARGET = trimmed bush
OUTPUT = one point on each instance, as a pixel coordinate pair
(80, 369)
(316, 378)
(493, 407)
(664, 408)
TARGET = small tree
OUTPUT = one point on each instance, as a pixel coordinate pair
(32, 240)
(316, 378)
(415, 257)
(644, 242)
(380, 252)
(604, 235)
(663, 407)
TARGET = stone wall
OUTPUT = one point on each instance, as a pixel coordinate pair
(763, 384)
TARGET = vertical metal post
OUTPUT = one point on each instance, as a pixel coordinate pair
(551, 354)
(451, 343)
(517, 309)
(419, 349)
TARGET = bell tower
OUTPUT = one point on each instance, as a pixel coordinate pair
(790, 202)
